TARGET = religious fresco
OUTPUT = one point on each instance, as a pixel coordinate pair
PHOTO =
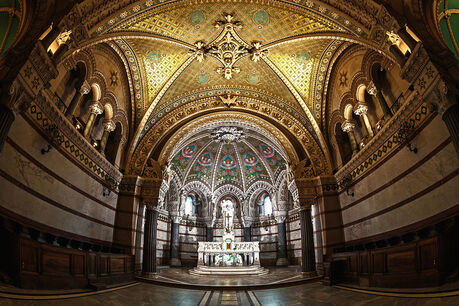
(183, 158)
(254, 169)
(201, 169)
(228, 170)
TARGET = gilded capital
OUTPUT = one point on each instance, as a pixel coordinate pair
(361, 109)
(348, 126)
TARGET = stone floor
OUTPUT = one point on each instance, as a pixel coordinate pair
(276, 276)
(304, 294)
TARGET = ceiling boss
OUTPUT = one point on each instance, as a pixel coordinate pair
(228, 47)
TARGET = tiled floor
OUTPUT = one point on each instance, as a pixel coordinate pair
(305, 294)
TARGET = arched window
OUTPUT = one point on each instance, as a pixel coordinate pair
(189, 206)
(265, 207)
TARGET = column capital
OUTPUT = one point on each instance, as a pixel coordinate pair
(96, 108)
(63, 37)
(361, 108)
(175, 217)
(85, 88)
(348, 125)
(109, 125)
(280, 216)
(445, 97)
(371, 89)
(394, 38)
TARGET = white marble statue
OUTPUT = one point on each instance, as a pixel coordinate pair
(228, 215)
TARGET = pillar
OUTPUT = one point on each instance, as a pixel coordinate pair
(139, 238)
(451, 119)
(175, 242)
(109, 127)
(149, 243)
(361, 110)
(247, 233)
(317, 230)
(373, 90)
(348, 127)
(50, 37)
(6, 120)
(95, 109)
(308, 264)
(63, 39)
(77, 98)
(407, 38)
(282, 259)
(209, 233)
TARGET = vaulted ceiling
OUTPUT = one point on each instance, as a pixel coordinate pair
(269, 57)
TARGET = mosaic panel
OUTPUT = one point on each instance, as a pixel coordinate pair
(228, 170)
(200, 76)
(254, 169)
(159, 60)
(201, 169)
(261, 22)
(182, 159)
(298, 63)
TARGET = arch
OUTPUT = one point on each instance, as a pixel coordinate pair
(348, 111)
(226, 190)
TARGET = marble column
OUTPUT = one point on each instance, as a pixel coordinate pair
(77, 98)
(6, 120)
(149, 243)
(175, 242)
(361, 110)
(95, 110)
(308, 265)
(139, 238)
(109, 126)
(372, 90)
(318, 244)
(282, 258)
(247, 233)
(348, 127)
(209, 233)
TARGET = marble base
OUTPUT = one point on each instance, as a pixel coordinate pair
(282, 262)
(309, 274)
(150, 274)
(244, 270)
(175, 262)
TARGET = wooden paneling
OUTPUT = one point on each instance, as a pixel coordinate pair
(42, 266)
(414, 264)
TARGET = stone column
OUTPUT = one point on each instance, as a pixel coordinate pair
(308, 264)
(63, 39)
(6, 120)
(407, 38)
(282, 258)
(139, 238)
(109, 126)
(17, 100)
(448, 108)
(175, 242)
(372, 90)
(95, 110)
(317, 230)
(348, 127)
(149, 243)
(361, 110)
(247, 233)
(209, 233)
(77, 98)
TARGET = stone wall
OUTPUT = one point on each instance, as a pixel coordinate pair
(404, 188)
(52, 191)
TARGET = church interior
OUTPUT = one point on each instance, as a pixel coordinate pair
(229, 152)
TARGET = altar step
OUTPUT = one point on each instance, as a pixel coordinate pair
(244, 270)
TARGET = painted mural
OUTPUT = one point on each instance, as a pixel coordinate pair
(202, 166)
(228, 171)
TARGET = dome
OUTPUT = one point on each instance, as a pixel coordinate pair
(228, 155)
(448, 22)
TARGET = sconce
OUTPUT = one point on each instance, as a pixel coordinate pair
(346, 183)
(405, 134)
(54, 137)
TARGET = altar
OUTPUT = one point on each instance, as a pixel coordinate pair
(228, 257)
